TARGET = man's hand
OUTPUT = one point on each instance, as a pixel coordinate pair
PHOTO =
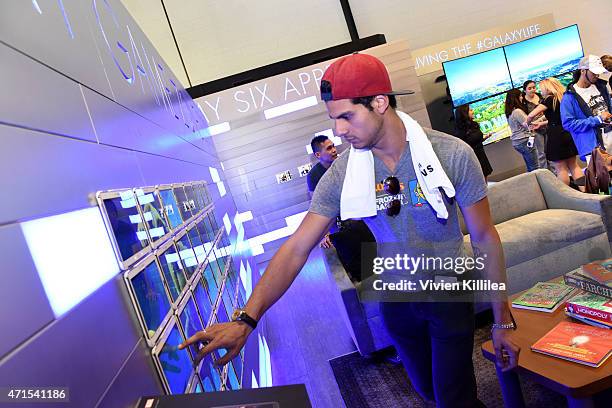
(325, 242)
(506, 351)
(230, 336)
(605, 116)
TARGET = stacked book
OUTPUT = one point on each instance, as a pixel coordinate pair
(591, 309)
(543, 297)
(594, 277)
(576, 342)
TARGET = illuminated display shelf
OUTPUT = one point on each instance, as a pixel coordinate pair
(142, 219)
(172, 250)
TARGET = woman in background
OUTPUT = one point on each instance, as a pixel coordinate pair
(521, 135)
(469, 131)
(560, 147)
(533, 99)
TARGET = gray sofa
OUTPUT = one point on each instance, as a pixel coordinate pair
(546, 229)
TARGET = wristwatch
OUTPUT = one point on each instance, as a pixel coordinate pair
(510, 325)
(240, 315)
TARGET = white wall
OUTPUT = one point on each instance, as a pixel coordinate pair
(218, 39)
(425, 23)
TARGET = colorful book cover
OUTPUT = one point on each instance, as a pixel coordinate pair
(543, 296)
(599, 271)
(577, 279)
(576, 342)
(591, 306)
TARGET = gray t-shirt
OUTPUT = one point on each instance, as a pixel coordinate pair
(515, 121)
(416, 229)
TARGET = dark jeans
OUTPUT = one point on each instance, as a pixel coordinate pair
(435, 342)
(530, 154)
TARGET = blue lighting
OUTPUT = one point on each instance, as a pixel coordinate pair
(73, 256)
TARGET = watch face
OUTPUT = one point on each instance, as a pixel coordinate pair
(236, 314)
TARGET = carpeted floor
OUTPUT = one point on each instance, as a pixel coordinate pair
(372, 383)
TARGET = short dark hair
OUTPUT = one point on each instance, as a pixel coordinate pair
(317, 141)
(606, 61)
(367, 101)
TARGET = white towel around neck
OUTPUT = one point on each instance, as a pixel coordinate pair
(358, 197)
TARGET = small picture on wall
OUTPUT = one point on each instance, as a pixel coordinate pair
(305, 169)
(284, 177)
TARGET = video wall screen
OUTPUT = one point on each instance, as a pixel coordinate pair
(477, 76)
(190, 321)
(152, 301)
(203, 301)
(176, 366)
(172, 270)
(209, 374)
(121, 214)
(187, 254)
(171, 209)
(490, 115)
(197, 244)
(182, 201)
(152, 214)
(493, 72)
(544, 56)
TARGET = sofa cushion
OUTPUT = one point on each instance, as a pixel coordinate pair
(536, 234)
(515, 197)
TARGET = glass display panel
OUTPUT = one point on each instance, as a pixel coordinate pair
(222, 261)
(222, 315)
(125, 221)
(544, 56)
(491, 117)
(237, 362)
(187, 255)
(213, 222)
(232, 383)
(209, 374)
(228, 299)
(217, 273)
(201, 195)
(182, 202)
(211, 283)
(477, 76)
(197, 244)
(191, 323)
(152, 214)
(198, 388)
(151, 295)
(176, 364)
(203, 301)
(206, 230)
(192, 198)
(171, 209)
(172, 270)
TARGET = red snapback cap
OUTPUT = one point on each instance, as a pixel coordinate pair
(356, 76)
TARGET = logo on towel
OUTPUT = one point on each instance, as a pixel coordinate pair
(426, 170)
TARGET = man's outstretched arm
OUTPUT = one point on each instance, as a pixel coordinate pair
(280, 273)
(486, 244)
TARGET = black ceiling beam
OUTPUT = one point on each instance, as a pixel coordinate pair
(350, 21)
(281, 67)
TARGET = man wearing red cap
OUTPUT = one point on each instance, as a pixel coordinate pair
(406, 184)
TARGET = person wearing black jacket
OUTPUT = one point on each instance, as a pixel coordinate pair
(469, 131)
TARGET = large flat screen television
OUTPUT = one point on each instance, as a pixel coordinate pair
(544, 56)
(477, 76)
(490, 115)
